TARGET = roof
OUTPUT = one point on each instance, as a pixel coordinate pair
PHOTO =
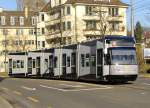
(17, 14)
(112, 2)
(46, 7)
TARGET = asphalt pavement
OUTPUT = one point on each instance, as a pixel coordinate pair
(41, 93)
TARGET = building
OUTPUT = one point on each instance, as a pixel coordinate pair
(20, 31)
(41, 27)
(73, 21)
(146, 37)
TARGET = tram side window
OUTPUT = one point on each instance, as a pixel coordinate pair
(55, 62)
(18, 63)
(22, 64)
(33, 62)
(68, 61)
(82, 60)
(29, 62)
(64, 60)
(87, 60)
(14, 64)
(46, 62)
(10, 63)
(93, 61)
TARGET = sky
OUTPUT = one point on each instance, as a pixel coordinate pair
(142, 10)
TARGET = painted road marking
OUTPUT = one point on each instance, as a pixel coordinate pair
(33, 99)
(4, 88)
(63, 90)
(76, 86)
(54, 88)
(28, 88)
(18, 93)
(146, 84)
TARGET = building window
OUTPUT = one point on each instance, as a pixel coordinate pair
(68, 25)
(64, 41)
(59, 2)
(42, 17)
(43, 44)
(114, 26)
(31, 32)
(21, 20)
(3, 20)
(68, 10)
(19, 32)
(88, 10)
(33, 20)
(91, 25)
(38, 43)
(113, 11)
(43, 31)
(69, 40)
(32, 42)
(12, 20)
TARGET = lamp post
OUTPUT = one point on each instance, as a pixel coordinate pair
(5, 32)
(132, 17)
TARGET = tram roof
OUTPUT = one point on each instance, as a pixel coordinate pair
(18, 53)
(113, 37)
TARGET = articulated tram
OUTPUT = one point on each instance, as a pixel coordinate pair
(112, 58)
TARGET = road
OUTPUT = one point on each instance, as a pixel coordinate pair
(38, 93)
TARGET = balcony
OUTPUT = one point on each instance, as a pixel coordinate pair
(116, 18)
(91, 17)
(91, 32)
(52, 22)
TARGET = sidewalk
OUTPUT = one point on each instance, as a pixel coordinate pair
(4, 103)
(146, 75)
(4, 74)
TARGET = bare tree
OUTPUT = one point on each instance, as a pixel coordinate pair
(33, 5)
(21, 43)
(103, 25)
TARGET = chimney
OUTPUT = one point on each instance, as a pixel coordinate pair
(26, 11)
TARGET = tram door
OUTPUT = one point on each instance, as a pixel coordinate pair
(51, 65)
(64, 62)
(73, 63)
(29, 65)
(10, 66)
(38, 65)
(99, 63)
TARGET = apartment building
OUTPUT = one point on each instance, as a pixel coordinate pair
(41, 27)
(20, 31)
(73, 21)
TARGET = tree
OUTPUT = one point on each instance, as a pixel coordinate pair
(101, 25)
(138, 32)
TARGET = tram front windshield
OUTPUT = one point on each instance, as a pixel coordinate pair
(123, 57)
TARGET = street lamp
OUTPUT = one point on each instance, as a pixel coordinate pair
(132, 17)
(5, 33)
